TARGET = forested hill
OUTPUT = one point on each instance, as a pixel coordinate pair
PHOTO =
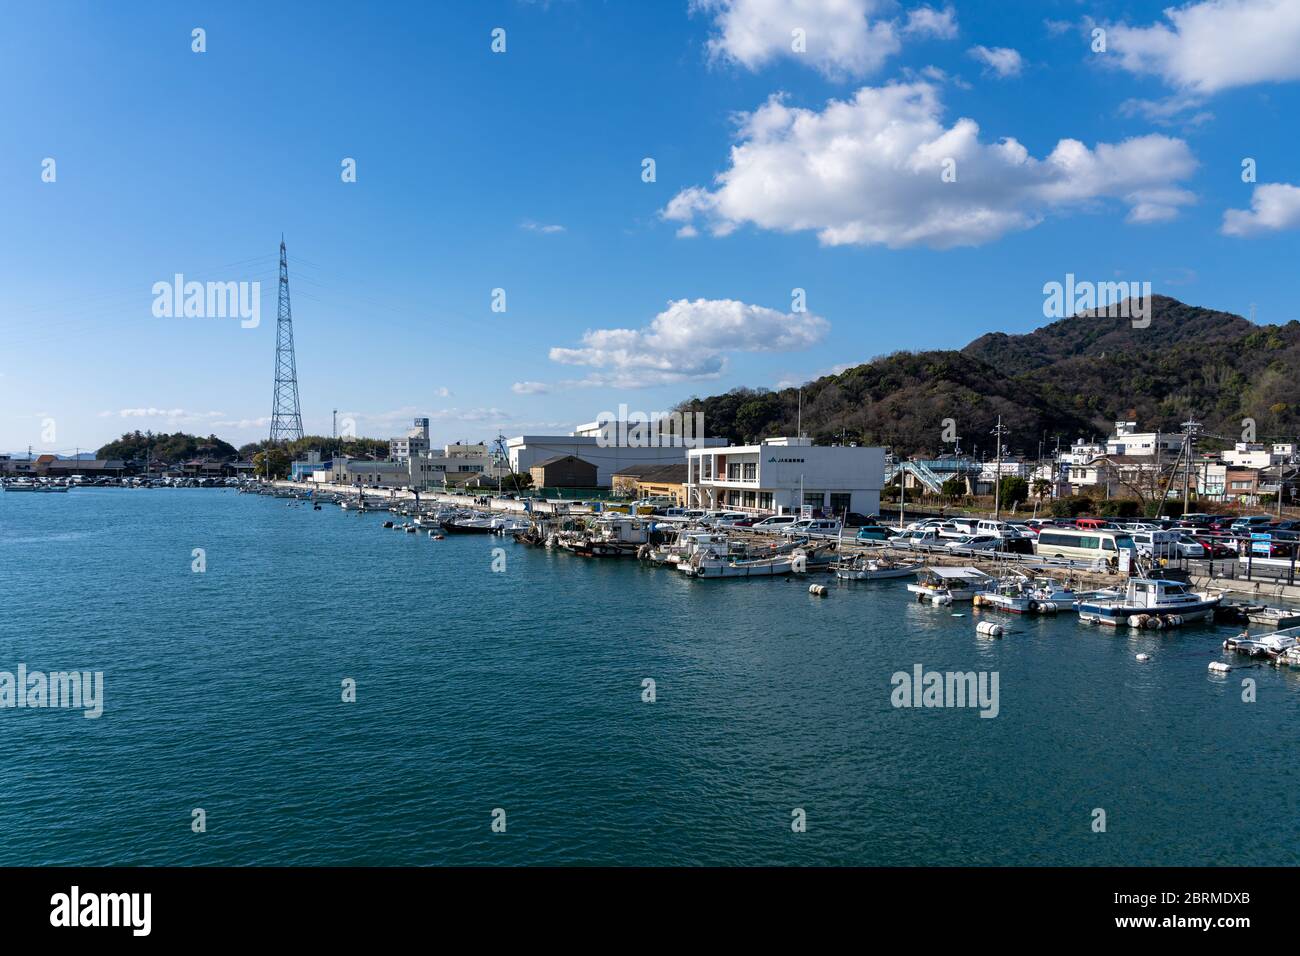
(1072, 378)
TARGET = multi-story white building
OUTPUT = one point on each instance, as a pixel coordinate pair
(1082, 452)
(1257, 455)
(783, 474)
(414, 442)
(1127, 440)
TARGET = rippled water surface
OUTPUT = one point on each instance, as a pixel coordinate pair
(522, 690)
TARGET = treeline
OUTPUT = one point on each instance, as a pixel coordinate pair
(178, 446)
(328, 447)
(1071, 379)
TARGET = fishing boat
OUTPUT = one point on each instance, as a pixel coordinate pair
(684, 543)
(1018, 593)
(950, 585)
(864, 567)
(1278, 646)
(713, 565)
(1150, 602)
(20, 484)
(470, 523)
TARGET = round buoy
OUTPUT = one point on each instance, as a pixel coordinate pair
(1136, 620)
(988, 629)
(1144, 657)
(818, 589)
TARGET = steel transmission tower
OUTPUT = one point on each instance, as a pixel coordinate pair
(286, 415)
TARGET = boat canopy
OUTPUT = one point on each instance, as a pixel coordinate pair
(957, 573)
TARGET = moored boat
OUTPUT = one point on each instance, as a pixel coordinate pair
(864, 567)
(1150, 602)
(941, 585)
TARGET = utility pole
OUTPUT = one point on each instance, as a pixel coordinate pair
(1189, 442)
(902, 492)
(997, 476)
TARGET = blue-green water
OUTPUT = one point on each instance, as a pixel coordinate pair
(522, 690)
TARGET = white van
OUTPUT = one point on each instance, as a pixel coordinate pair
(813, 528)
(1155, 543)
(1093, 544)
(774, 523)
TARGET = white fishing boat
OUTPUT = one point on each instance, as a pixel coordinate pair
(708, 565)
(865, 567)
(20, 484)
(950, 585)
(1274, 647)
(1018, 593)
(1150, 602)
(683, 544)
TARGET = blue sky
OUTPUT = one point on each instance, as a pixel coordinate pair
(522, 170)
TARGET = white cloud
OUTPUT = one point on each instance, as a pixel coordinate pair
(1273, 207)
(688, 341)
(1001, 60)
(530, 388)
(927, 21)
(1214, 45)
(843, 37)
(171, 414)
(442, 391)
(793, 380)
(868, 170)
(244, 423)
(548, 229)
(1169, 111)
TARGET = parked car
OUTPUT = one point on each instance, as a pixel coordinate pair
(1250, 523)
(922, 539)
(1214, 548)
(774, 522)
(812, 528)
(722, 519)
(874, 532)
(1094, 524)
(978, 542)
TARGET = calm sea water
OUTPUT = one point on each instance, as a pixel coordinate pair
(522, 690)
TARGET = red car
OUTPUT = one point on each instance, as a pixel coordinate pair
(1213, 547)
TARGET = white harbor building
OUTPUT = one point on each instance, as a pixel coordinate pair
(783, 474)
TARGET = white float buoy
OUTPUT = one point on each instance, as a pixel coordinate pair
(818, 589)
(988, 629)
(1144, 657)
(1219, 667)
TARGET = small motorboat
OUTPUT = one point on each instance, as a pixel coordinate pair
(1152, 602)
(863, 567)
(941, 585)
